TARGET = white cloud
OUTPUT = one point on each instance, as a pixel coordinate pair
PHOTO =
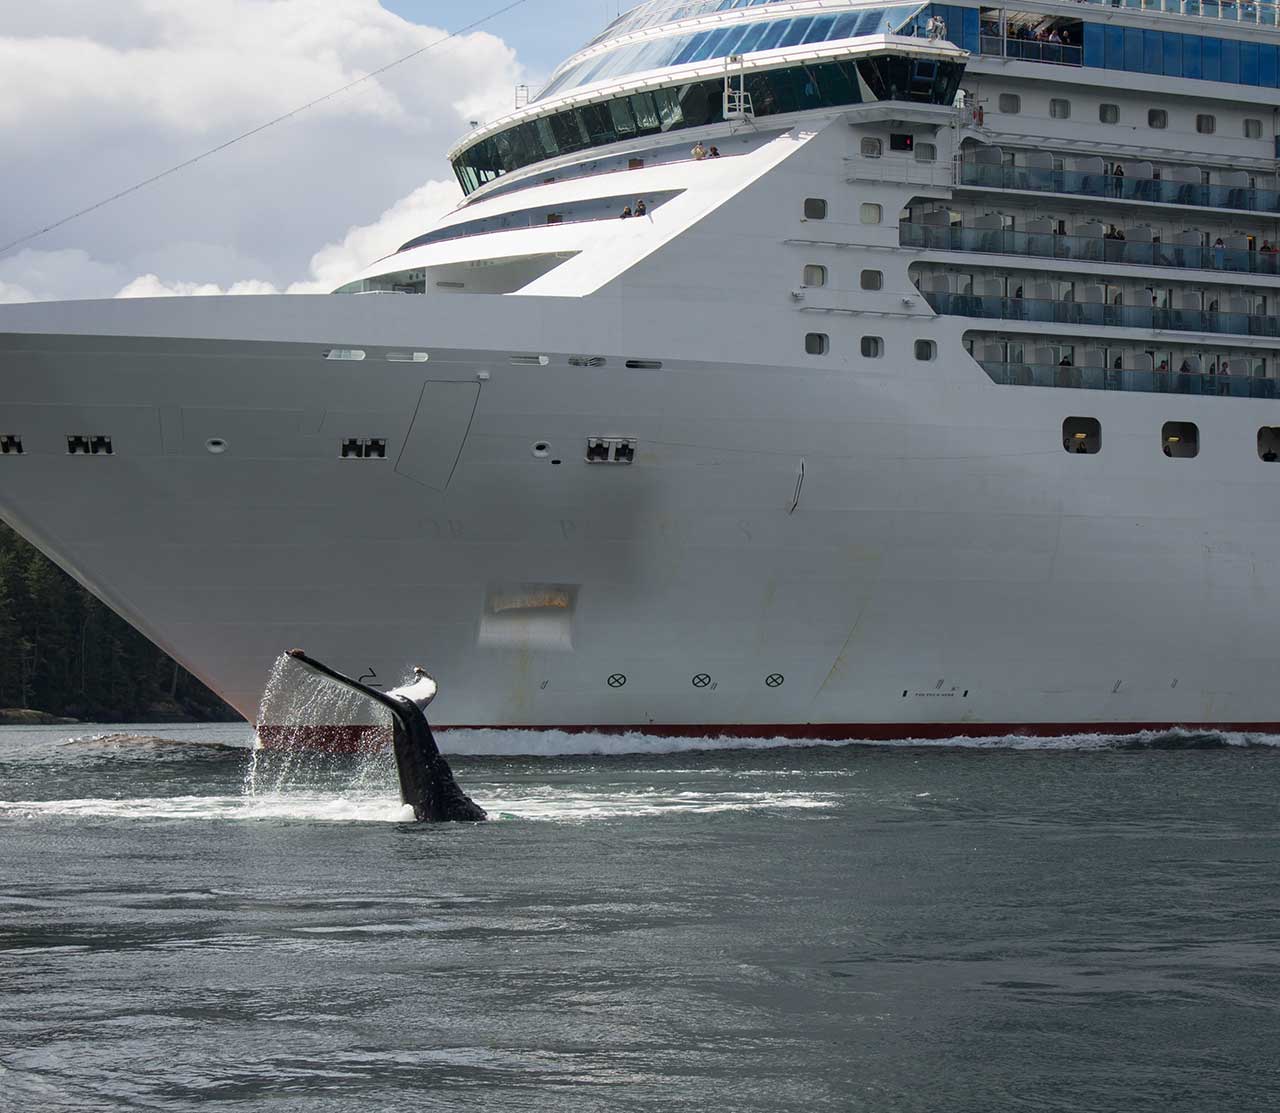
(150, 286)
(90, 105)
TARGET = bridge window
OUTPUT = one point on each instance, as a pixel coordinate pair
(1253, 129)
(1180, 439)
(1009, 103)
(814, 275)
(1059, 109)
(872, 280)
(870, 213)
(1206, 124)
(1082, 435)
(871, 147)
(872, 347)
(817, 343)
(1109, 113)
(1269, 443)
(815, 208)
(1157, 118)
(926, 152)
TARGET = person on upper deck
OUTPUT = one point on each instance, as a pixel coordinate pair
(699, 152)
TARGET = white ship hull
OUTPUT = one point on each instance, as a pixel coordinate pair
(942, 567)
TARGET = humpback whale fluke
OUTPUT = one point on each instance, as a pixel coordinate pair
(426, 781)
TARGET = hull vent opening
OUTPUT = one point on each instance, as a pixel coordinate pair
(531, 361)
(85, 445)
(611, 450)
(354, 354)
(408, 357)
(587, 361)
(528, 616)
(368, 448)
(645, 364)
(10, 445)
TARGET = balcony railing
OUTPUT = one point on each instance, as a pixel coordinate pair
(1120, 188)
(1230, 11)
(1144, 382)
(1089, 249)
(1102, 316)
(1031, 50)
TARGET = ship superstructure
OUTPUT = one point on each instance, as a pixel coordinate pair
(814, 368)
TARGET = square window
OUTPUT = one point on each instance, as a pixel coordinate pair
(872, 347)
(1059, 109)
(1009, 103)
(1206, 125)
(926, 349)
(1180, 439)
(926, 152)
(872, 280)
(816, 343)
(870, 213)
(1109, 113)
(815, 208)
(1157, 118)
(871, 147)
(814, 275)
(1253, 129)
(1082, 436)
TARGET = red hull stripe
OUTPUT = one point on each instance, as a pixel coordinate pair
(356, 739)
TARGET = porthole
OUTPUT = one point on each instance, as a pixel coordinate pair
(1180, 439)
(870, 213)
(814, 275)
(872, 280)
(1009, 103)
(872, 347)
(1253, 129)
(926, 349)
(1157, 118)
(871, 147)
(816, 343)
(1059, 109)
(1269, 443)
(1206, 124)
(815, 208)
(1109, 113)
(216, 445)
(541, 450)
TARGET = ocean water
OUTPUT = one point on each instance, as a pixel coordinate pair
(1008, 924)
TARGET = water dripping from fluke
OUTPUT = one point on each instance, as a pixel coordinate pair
(427, 784)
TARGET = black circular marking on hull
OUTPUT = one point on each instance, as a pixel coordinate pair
(617, 680)
(702, 680)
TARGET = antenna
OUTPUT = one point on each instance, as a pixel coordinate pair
(522, 95)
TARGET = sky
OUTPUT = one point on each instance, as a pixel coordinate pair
(95, 97)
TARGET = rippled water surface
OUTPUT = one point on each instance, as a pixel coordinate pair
(1004, 925)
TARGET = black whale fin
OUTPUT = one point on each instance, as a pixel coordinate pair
(426, 781)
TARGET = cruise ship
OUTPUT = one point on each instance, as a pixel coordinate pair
(805, 369)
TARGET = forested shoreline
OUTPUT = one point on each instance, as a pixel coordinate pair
(63, 653)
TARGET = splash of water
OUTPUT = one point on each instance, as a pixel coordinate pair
(295, 704)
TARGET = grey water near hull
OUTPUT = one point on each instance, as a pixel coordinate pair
(914, 929)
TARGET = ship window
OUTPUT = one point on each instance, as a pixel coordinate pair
(816, 343)
(1180, 439)
(872, 347)
(1206, 125)
(1253, 129)
(1109, 113)
(926, 349)
(870, 213)
(871, 147)
(1269, 443)
(1010, 103)
(1059, 109)
(901, 141)
(814, 275)
(1157, 118)
(815, 208)
(872, 280)
(926, 152)
(1082, 435)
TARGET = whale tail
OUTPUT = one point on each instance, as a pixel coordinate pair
(427, 783)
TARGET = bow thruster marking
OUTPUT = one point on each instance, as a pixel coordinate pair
(702, 680)
(617, 680)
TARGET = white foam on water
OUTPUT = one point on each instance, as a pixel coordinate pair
(314, 807)
(559, 743)
(554, 804)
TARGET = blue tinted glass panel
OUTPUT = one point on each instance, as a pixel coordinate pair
(773, 33)
(1152, 52)
(1267, 70)
(691, 47)
(1191, 56)
(1172, 54)
(1114, 47)
(752, 38)
(972, 29)
(711, 48)
(818, 32)
(1210, 59)
(844, 26)
(867, 22)
(1230, 60)
(1094, 50)
(731, 44)
(1249, 64)
(1133, 49)
(795, 32)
